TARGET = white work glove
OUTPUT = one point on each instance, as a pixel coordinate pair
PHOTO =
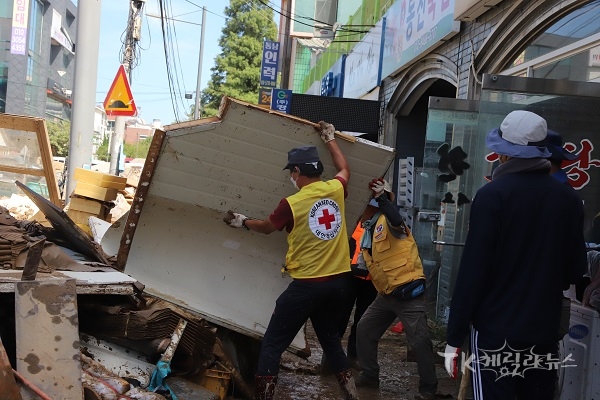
(327, 131)
(235, 220)
(451, 360)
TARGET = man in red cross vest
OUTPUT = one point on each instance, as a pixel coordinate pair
(317, 260)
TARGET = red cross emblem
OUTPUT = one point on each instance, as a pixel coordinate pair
(326, 219)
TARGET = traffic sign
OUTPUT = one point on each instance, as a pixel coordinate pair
(119, 100)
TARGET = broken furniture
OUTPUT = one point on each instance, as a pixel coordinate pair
(26, 156)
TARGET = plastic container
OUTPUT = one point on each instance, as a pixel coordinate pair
(216, 381)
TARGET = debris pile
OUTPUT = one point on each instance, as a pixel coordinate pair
(93, 196)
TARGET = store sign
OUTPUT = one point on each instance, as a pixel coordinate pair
(57, 33)
(264, 98)
(58, 91)
(412, 28)
(18, 37)
(595, 57)
(363, 64)
(281, 100)
(268, 67)
(332, 83)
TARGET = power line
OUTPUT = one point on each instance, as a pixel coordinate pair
(341, 28)
(210, 12)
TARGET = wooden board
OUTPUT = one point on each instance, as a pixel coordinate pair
(100, 179)
(95, 192)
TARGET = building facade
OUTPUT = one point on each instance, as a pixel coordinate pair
(37, 59)
(446, 72)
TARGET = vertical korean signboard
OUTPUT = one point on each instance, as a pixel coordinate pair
(268, 67)
(18, 35)
(281, 100)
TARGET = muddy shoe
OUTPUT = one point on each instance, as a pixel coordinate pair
(363, 380)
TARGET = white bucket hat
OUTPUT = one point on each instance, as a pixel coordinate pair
(522, 134)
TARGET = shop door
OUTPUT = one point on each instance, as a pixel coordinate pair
(446, 185)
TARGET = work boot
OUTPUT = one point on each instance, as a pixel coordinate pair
(364, 380)
(264, 387)
(347, 384)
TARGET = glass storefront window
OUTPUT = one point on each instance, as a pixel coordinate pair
(35, 27)
(569, 49)
(3, 84)
(579, 24)
(568, 111)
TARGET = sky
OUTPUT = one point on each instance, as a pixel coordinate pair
(149, 84)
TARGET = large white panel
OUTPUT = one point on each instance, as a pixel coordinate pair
(183, 251)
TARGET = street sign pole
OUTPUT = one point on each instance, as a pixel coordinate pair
(131, 39)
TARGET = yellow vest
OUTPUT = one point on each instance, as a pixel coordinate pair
(393, 262)
(318, 243)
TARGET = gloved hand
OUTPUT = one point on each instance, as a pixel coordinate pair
(451, 360)
(378, 186)
(235, 220)
(327, 131)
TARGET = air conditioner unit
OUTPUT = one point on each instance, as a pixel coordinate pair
(325, 17)
(580, 379)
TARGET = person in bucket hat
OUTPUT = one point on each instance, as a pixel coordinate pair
(558, 154)
(524, 247)
(317, 260)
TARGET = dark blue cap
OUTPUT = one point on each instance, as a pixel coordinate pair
(303, 155)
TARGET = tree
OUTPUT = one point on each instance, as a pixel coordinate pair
(237, 69)
(59, 134)
(102, 152)
(139, 149)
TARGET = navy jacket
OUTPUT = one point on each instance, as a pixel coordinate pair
(524, 247)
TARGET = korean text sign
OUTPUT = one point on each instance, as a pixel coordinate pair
(19, 26)
(281, 100)
(268, 68)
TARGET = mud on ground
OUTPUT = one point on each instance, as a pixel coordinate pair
(299, 379)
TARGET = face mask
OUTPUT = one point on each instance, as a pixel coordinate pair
(294, 182)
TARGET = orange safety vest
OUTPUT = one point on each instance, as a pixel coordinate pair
(357, 236)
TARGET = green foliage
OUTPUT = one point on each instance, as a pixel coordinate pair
(103, 153)
(138, 150)
(237, 69)
(59, 134)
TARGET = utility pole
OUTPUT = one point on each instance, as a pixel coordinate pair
(133, 35)
(84, 89)
(198, 80)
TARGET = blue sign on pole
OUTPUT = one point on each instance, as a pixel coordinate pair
(281, 100)
(268, 67)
